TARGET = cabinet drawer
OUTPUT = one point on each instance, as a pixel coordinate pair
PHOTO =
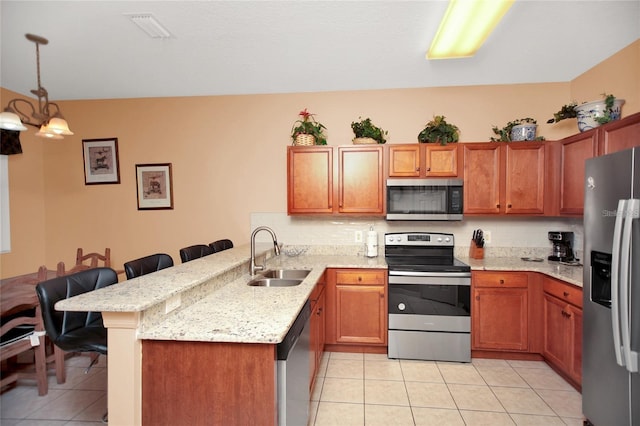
(565, 292)
(500, 279)
(366, 277)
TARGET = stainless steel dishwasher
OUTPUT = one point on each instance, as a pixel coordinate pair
(293, 369)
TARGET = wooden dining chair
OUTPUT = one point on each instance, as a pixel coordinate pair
(22, 330)
(86, 261)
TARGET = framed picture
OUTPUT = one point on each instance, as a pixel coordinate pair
(100, 161)
(155, 186)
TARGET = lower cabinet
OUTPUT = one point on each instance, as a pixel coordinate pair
(499, 311)
(562, 342)
(318, 314)
(357, 306)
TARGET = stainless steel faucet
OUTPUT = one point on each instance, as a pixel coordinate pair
(276, 249)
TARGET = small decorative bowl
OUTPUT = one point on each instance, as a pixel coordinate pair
(587, 113)
(524, 132)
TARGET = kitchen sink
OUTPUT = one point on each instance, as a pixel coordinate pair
(274, 282)
(286, 273)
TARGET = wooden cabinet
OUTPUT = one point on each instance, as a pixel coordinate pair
(423, 160)
(309, 180)
(619, 135)
(357, 306)
(504, 178)
(574, 151)
(499, 311)
(349, 182)
(562, 317)
(317, 325)
(360, 180)
(482, 178)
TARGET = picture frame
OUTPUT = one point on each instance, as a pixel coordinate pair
(101, 162)
(154, 184)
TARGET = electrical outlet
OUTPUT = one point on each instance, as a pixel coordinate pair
(358, 236)
(487, 236)
(172, 303)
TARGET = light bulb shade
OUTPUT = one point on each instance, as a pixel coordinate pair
(465, 27)
(59, 126)
(46, 132)
(11, 121)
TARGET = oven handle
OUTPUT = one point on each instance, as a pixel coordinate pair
(422, 280)
(429, 274)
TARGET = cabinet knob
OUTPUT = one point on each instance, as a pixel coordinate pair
(501, 281)
(428, 169)
(498, 206)
(566, 294)
(359, 279)
(417, 169)
(509, 205)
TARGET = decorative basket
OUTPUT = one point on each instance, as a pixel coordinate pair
(364, 141)
(305, 140)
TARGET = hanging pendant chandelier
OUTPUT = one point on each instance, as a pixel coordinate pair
(46, 116)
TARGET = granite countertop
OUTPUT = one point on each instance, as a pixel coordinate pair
(244, 314)
(570, 274)
(216, 304)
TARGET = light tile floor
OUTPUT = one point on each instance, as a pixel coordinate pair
(352, 390)
(80, 401)
(367, 389)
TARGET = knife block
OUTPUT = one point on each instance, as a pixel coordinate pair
(475, 252)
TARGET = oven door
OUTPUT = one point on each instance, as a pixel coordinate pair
(439, 302)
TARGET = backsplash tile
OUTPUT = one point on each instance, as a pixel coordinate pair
(336, 235)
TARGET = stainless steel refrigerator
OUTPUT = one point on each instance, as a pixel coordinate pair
(611, 308)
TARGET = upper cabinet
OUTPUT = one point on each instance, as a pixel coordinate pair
(423, 160)
(330, 180)
(620, 135)
(575, 150)
(504, 178)
(309, 180)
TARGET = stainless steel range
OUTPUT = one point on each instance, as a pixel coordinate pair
(429, 298)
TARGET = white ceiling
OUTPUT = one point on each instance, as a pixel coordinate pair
(252, 47)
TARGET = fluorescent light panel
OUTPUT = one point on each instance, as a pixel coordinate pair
(465, 27)
(149, 24)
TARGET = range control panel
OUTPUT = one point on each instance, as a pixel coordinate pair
(418, 239)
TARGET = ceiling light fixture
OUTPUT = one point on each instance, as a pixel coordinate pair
(465, 26)
(47, 116)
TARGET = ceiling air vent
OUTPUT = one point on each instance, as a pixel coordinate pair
(149, 24)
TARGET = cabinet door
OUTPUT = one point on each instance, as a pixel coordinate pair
(404, 160)
(441, 160)
(309, 180)
(525, 167)
(481, 178)
(575, 361)
(499, 319)
(317, 336)
(361, 180)
(361, 314)
(575, 150)
(620, 135)
(556, 338)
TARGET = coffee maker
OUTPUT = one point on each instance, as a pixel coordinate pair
(562, 246)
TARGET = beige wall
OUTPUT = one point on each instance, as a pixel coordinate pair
(229, 157)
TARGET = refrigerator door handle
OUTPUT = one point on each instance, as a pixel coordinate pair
(631, 357)
(615, 286)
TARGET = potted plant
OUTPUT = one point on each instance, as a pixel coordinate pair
(591, 114)
(366, 132)
(307, 131)
(522, 129)
(438, 130)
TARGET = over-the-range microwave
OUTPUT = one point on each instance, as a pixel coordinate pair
(424, 199)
